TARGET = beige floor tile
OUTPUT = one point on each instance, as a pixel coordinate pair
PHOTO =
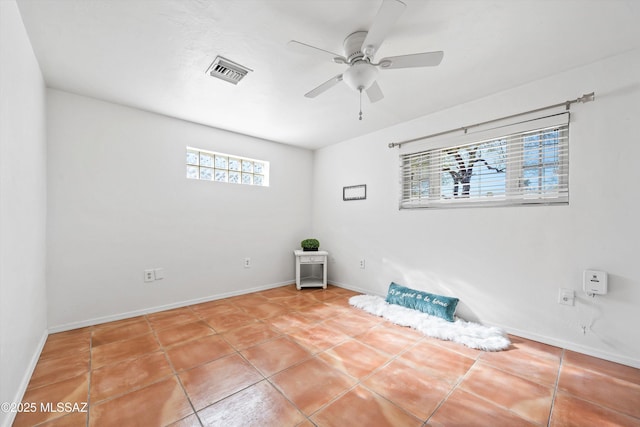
(531, 401)
(353, 323)
(465, 409)
(46, 398)
(537, 366)
(249, 335)
(605, 367)
(119, 378)
(229, 321)
(122, 350)
(415, 391)
(119, 330)
(197, 352)
(438, 362)
(184, 332)
(308, 358)
(390, 341)
(600, 388)
(361, 407)
(572, 411)
(55, 369)
(258, 405)
(312, 384)
(66, 343)
(158, 404)
(164, 319)
(276, 355)
(73, 419)
(290, 321)
(318, 337)
(354, 358)
(190, 421)
(214, 381)
(266, 310)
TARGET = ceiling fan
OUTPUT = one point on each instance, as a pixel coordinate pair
(360, 48)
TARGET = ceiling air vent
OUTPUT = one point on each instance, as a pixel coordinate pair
(227, 70)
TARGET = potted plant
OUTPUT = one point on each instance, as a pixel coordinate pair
(310, 244)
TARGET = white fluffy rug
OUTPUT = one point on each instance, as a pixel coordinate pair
(470, 334)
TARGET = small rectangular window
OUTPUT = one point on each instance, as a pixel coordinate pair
(219, 167)
(525, 167)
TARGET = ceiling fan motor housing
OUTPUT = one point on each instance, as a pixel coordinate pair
(353, 49)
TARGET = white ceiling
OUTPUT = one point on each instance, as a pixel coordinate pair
(153, 54)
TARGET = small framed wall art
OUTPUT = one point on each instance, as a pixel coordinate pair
(354, 192)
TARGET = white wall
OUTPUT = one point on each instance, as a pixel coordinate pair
(22, 208)
(506, 264)
(119, 203)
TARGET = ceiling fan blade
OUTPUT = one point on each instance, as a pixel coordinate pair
(388, 14)
(374, 93)
(324, 86)
(425, 59)
(308, 49)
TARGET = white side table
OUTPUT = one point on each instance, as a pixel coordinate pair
(311, 258)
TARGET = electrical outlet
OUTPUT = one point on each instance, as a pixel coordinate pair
(362, 264)
(247, 263)
(149, 276)
(566, 296)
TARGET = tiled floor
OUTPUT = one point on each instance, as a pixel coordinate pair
(301, 358)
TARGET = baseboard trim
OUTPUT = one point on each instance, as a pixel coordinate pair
(352, 288)
(568, 345)
(149, 310)
(27, 377)
(589, 351)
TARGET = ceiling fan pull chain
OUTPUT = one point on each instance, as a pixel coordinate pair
(360, 118)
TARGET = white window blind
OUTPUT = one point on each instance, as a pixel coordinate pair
(518, 164)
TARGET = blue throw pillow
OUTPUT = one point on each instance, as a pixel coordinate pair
(435, 305)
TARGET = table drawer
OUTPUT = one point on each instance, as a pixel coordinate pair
(312, 259)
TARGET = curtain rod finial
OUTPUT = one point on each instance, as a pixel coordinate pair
(587, 97)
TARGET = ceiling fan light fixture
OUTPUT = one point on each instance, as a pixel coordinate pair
(360, 76)
(360, 48)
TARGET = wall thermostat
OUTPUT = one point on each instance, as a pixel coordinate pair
(594, 282)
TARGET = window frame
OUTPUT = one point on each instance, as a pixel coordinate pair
(216, 170)
(422, 167)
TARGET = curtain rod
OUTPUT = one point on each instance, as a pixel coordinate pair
(567, 104)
